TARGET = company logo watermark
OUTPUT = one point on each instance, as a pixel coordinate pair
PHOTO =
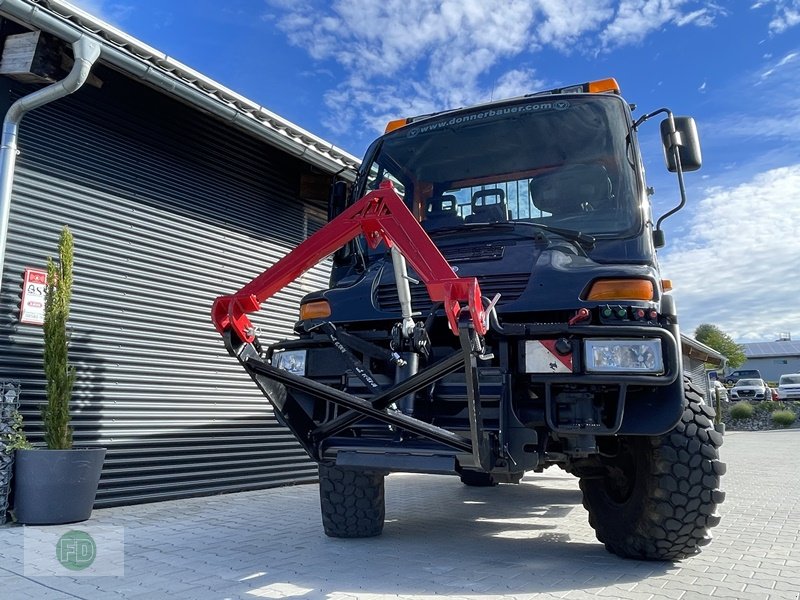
(74, 551)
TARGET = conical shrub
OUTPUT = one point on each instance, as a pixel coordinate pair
(59, 374)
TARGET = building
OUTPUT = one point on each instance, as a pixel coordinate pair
(177, 190)
(772, 359)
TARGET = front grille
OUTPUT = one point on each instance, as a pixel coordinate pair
(468, 253)
(746, 393)
(509, 286)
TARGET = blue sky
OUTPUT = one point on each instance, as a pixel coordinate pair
(341, 69)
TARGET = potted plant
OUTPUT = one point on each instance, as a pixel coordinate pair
(57, 484)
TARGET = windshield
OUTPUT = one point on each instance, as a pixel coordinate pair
(749, 382)
(561, 162)
(789, 379)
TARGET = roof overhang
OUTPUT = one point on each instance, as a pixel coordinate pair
(691, 348)
(131, 56)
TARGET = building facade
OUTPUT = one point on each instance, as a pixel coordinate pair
(772, 359)
(176, 190)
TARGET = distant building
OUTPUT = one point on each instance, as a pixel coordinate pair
(773, 359)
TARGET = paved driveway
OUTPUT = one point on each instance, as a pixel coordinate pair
(441, 540)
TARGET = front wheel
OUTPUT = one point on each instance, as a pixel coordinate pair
(658, 497)
(352, 502)
(477, 479)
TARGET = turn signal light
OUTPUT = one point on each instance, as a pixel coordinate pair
(621, 289)
(316, 309)
(396, 124)
(603, 85)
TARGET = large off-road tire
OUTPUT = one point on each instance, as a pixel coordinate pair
(352, 502)
(477, 479)
(659, 496)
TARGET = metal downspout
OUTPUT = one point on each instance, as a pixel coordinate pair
(86, 51)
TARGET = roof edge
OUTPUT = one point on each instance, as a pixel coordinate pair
(176, 79)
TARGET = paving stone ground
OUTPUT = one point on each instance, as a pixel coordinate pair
(441, 540)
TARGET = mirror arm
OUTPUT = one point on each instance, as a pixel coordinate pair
(644, 118)
(681, 186)
(675, 141)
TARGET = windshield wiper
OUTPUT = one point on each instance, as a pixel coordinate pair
(584, 240)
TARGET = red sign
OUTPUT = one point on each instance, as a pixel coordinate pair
(33, 290)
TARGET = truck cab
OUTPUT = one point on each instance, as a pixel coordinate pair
(568, 354)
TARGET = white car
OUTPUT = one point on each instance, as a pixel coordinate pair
(723, 391)
(789, 387)
(750, 389)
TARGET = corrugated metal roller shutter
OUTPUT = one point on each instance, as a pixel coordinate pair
(696, 369)
(169, 209)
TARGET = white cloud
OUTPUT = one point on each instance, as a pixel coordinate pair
(759, 107)
(786, 60)
(737, 266)
(636, 19)
(562, 25)
(402, 55)
(786, 14)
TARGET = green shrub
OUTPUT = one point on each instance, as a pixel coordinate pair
(769, 407)
(784, 418)
(742, 410)
(16, 438)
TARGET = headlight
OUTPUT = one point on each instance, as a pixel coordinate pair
(292, 361)
(623, 356)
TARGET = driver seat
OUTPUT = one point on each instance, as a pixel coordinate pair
(572, 190)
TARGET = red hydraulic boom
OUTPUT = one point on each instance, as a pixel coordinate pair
(381, 216)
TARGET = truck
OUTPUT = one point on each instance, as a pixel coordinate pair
(496, 308)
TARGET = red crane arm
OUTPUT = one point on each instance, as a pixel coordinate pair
(381, 216)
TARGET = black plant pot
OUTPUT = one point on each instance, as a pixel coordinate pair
(53, 487)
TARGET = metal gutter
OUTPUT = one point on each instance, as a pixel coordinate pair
(139, 60)
(85, 51)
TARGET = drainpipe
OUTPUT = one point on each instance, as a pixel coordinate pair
(86, 51)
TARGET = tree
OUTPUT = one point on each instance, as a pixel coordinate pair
(713, 337)
(59, 374)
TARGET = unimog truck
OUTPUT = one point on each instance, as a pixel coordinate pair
(496, 308)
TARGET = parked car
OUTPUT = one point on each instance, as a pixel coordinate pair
(751, 389)
(723, 391)
(789, 387)
(732, 378)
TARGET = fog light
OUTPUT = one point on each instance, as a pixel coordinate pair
(291, 361)
(623, 356)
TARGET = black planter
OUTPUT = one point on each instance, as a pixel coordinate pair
(53, 487)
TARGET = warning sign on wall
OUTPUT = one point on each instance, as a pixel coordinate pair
(33, 290)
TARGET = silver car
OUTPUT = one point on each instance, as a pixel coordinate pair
(751, 389)
(789, 387)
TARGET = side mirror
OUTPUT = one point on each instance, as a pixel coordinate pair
(688, 143)
(338, 199)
